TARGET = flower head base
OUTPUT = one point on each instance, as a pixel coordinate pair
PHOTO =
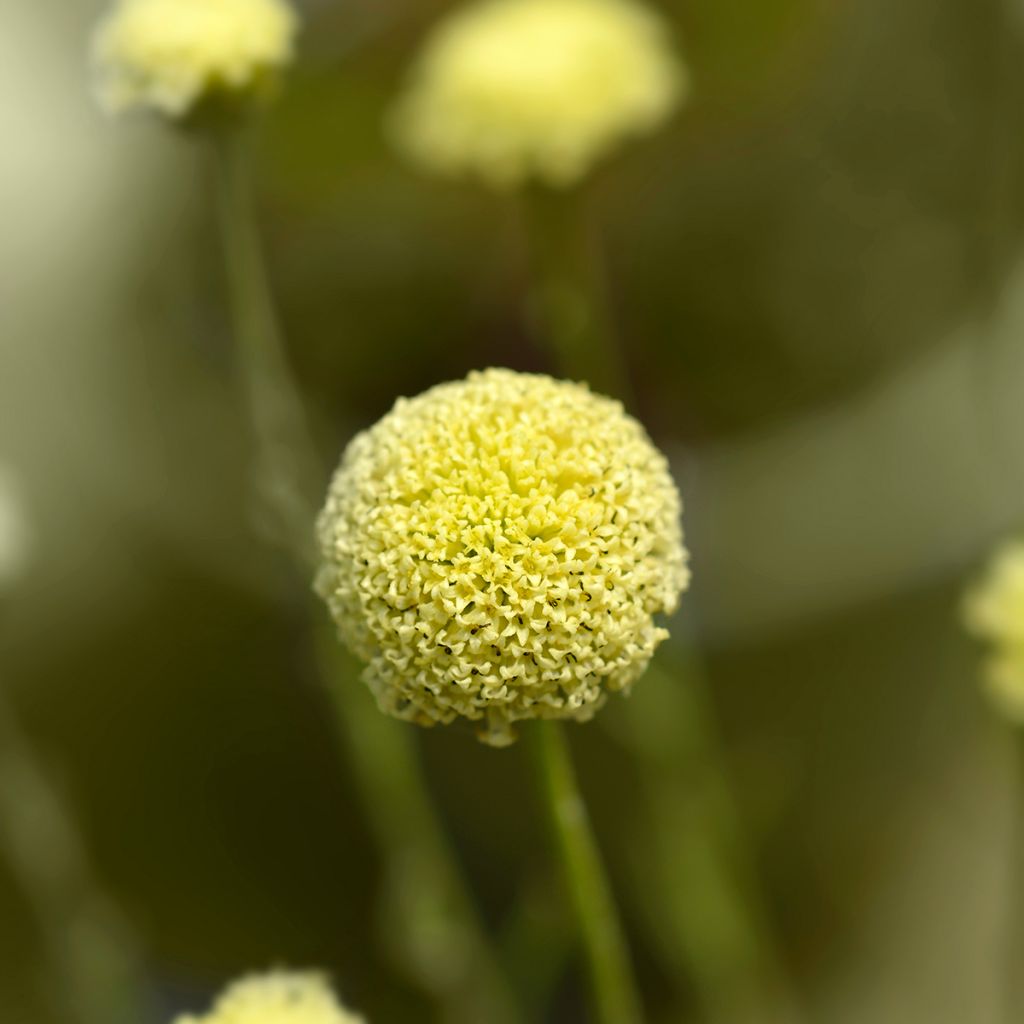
(497, 548)
(518, 90)
(280, 997)
(170, 55)
(994, 611)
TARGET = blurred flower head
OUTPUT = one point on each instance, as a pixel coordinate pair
(518, 90)
(14, 532)
(498, 548)
(168, 55)
(994, 611)
(280, 997)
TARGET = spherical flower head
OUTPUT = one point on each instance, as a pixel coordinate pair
(497, 549)
(519, 90)
(169, 55)
(280, 997)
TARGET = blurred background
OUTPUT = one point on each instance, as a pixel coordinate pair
(814, 274)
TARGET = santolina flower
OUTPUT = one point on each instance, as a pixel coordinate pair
(512, 90)
(168, 55)
(498, 548)
(280, 997)
(994, 611)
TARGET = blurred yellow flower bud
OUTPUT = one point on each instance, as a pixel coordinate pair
(280, 997)
(994, 611)
(168, 55)
(518, 90)
(498, 548)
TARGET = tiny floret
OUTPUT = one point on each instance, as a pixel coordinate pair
(280, 997)
(498, 548)
(994, 611)
(168, 55)
(519, 90)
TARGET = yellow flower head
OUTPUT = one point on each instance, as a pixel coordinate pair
(513, 90)
(994, 611)
(168, 55)
(281, 997)
(497, 549)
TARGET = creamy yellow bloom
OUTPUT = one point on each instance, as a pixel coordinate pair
(994, 611)
(513, 90)
(498, 548)
(167, 55)
(280, 997)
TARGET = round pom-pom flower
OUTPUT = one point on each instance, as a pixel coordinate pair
(994, 611)
(498, 548)
(280, 997)
(169, 55)
(518, 90)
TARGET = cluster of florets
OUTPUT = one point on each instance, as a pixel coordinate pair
(280, 997)
(169, 55)
(498, 549)
(519, 90)
(994, 611)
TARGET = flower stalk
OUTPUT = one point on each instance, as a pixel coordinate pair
(613, 987)
(568, 301)
(285, 471)
(93, 957)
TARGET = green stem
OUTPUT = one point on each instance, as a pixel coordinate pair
(286, 468)
(568, 299)
(445, 943)
(429, 917)
(95, 966)
(613, 987)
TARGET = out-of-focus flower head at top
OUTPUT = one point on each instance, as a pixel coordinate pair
(514, 91)
(14, 531)
(994, 611)
(170, 55)
(498, 549)
(280, 997)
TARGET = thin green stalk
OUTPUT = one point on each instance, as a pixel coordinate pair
(286, 467)
(568, 301)
(613, 988)
(446, 944)
(429, 918)
(95, 969)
